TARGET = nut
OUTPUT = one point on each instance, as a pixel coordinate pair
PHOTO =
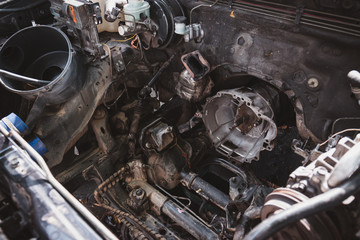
(14, 162)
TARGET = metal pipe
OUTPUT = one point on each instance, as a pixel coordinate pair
(176, 200)
(201, 5)
(331, 29)
(205, 189)
(289, 15)
(302, 210)
(25, 79)
(188, 222)
(96, 224)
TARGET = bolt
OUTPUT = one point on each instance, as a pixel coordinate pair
(168, 129)
(233, 179)
(301, 187)
(321, 171)
(139, 192)
(313, 82)
(99, 113)
(299, 76)
(14, 162)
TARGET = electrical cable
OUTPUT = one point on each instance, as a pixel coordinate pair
(343, 131)
(125, 40)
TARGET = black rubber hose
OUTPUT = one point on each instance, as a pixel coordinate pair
(134, 127)
(31, 5)
(302, 210)
(145, 91)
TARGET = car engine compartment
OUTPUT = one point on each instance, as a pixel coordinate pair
(180, 119)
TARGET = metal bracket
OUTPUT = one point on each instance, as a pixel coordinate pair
(95, 10)
(299, 13)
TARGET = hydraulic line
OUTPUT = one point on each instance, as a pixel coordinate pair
(323, 20)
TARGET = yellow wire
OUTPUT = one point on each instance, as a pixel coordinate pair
(346, 130)
(125, 40)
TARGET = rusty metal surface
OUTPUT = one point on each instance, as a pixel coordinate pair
(59, 129)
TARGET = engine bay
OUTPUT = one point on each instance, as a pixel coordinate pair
(181, 119)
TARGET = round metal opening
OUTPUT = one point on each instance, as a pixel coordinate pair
(39, 52)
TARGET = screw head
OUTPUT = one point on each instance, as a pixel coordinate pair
(313, 82)
(321, 171)
(299, 76)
